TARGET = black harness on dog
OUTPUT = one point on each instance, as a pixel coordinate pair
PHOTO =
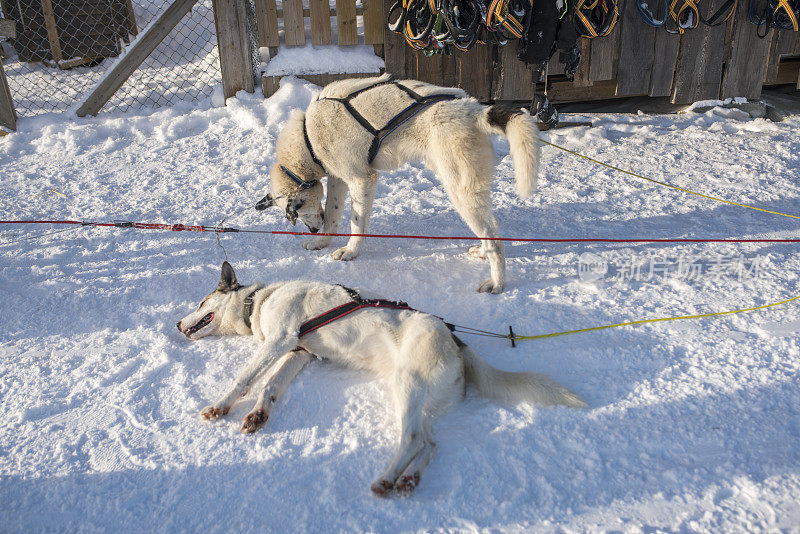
(379, 134)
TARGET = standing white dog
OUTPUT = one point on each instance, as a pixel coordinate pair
(424, 363)
(358, 127)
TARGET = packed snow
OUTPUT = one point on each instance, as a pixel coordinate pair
(310, 59)
(691, 425)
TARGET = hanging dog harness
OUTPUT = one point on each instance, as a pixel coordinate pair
(379, 134)
(346, 309)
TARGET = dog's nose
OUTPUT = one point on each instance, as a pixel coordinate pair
(314, 230)
(179, 326)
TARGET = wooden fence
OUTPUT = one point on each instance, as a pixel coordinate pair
(319, 14)
(635, 60)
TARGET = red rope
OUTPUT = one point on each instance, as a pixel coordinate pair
(551, 240)
(218, 229)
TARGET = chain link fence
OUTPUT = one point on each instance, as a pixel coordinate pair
(63, 48)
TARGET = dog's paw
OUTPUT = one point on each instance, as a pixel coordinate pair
(490, 287)
(382, 488)
(316, 243)
(477, 252)
(406, 484)
(212, 412)
(253, 421)
(344, 254)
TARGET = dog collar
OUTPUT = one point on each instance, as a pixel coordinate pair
(302, 184)
(248, 307)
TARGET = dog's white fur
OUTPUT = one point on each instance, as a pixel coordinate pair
(450, 137)
(424, 364)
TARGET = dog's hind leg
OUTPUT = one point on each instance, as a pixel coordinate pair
(280, 375)
(362, 193)
(334, 205)
(409, 393)
(407, 482)
(475, 207)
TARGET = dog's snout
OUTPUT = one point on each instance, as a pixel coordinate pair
(179, 326)
(314, 230)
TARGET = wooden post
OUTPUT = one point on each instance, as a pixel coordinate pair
(748, 61)
(8, 116)
(52, 30)
(8, 28)
(235, 61)
(134, 56)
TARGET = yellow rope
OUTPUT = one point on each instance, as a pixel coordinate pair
(660, 319)
(666, 184)
(541, 336)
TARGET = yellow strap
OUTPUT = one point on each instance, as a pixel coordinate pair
(642, 321)
(586, 24)
(687, 4)
(666, 184)
(789, 11)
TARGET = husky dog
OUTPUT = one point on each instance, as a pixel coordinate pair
(449, 132)
(426, 366)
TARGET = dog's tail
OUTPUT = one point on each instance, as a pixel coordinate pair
(523, 137)
(511, 388)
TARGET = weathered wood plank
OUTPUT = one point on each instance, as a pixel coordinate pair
(8, 28)
(744, 72)
(320, 22)
(475, 71)
(8, 115)
(346, 22)
(267, 20)
(134, 56)
(604, 52)
(698, 75)
(449, 75)
(636, 52)
(52, 31)
(513, 80)
(294, 32)
(429, 68)
(567, 92)
(230, 19)
(582, 74)
(374, 21)
(395, 55)
(665, 55)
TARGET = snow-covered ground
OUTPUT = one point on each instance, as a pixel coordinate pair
(692, 425)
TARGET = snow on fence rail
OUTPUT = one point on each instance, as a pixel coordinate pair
(287, 25)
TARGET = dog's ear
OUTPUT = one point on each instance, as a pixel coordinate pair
(292, 206)
(227, 281)
(265, 203)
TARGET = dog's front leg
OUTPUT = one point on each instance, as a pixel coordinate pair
(334, 206)
(281, 374)
(256, 367)
(362, 193)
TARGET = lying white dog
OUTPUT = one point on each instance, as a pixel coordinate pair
(426, 366)
(358, 127)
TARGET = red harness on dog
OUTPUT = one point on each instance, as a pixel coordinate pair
(346, 309)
